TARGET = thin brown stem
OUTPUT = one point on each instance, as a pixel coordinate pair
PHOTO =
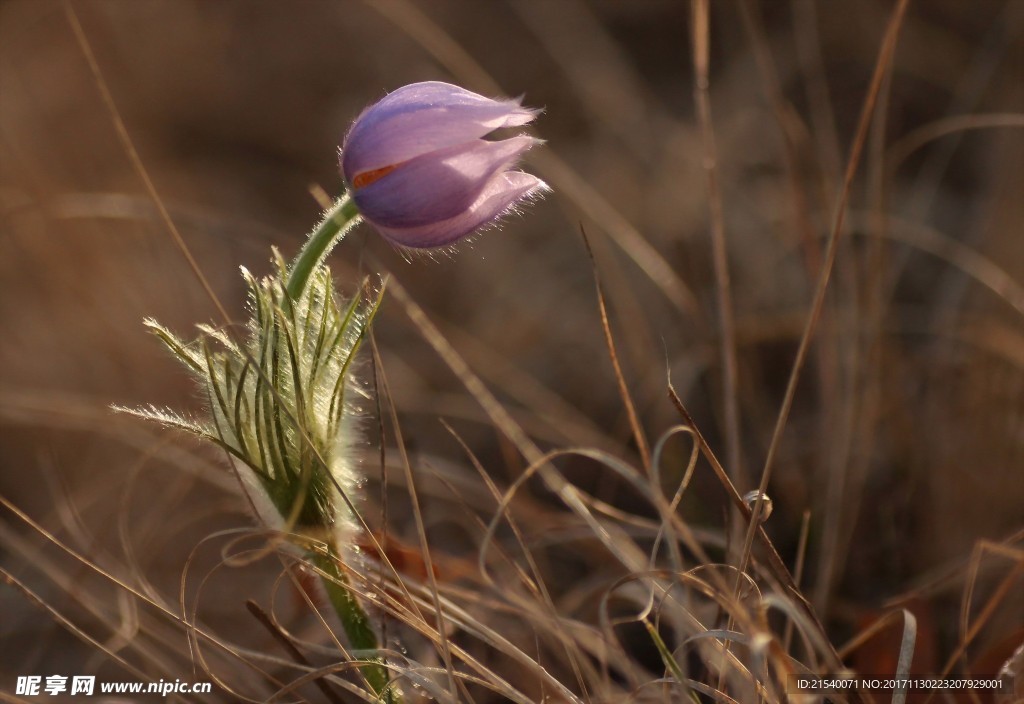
(634, 420)
(885, 57)
(720, 259)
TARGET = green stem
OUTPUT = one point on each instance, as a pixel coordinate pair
(356, 623)
(338, 220)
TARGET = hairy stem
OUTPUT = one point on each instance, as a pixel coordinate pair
(356, 623)
(338, 220)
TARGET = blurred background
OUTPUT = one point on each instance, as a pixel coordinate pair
(905, 446)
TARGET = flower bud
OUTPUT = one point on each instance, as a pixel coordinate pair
(419, 171)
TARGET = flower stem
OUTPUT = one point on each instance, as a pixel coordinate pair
(338, 220)
(356, 623)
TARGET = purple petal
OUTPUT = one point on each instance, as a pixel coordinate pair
(421, 118)
(439, 185)
(494, 201)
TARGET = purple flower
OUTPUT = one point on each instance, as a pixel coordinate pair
(420, 172)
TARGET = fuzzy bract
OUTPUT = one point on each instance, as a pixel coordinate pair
(281, 400)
